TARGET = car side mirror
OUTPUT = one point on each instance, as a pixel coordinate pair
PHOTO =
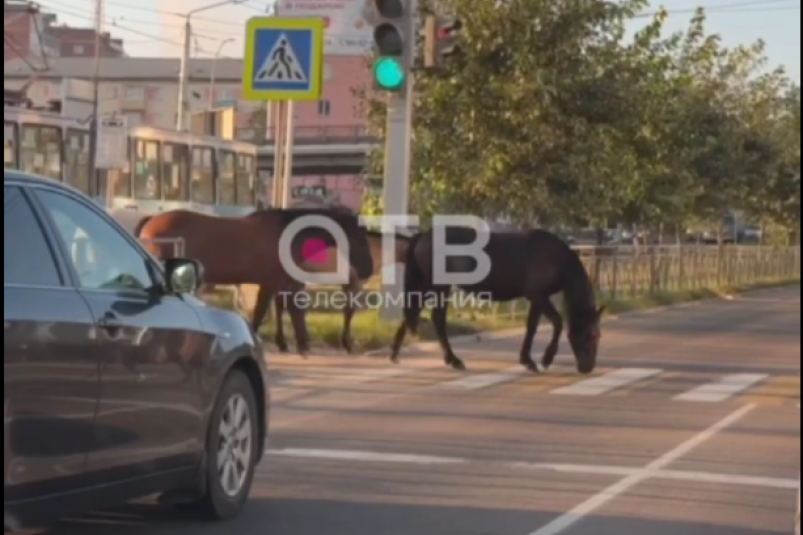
(184, 276)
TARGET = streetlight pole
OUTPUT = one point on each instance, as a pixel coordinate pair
(185, 60)
(213, 78)
(94, 186)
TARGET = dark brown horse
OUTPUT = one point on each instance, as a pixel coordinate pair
(531, 264)
(352, 289)
(245, 250)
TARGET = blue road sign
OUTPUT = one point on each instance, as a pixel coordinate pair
(283, 59)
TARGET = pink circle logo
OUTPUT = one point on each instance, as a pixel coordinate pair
(314, 251)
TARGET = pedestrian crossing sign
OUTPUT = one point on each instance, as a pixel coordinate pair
(283, 59)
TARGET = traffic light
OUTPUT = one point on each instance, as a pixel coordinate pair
(391, 22)
(441, 36)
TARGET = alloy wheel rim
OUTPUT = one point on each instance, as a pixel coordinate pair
(235, 444)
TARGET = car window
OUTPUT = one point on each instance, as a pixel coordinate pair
(103, 258)
(27, 257)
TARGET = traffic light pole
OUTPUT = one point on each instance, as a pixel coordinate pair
(398, 149)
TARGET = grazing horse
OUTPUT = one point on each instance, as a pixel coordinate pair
(354, 286)
(245, 250)
(532, 264)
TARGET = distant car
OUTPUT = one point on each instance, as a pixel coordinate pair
(118, 382)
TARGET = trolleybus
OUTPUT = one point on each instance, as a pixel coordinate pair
(166, 169)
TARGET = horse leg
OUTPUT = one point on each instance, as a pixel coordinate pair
(439, 314)
(261, 307)
(397, 342)
(533, 320)
(298, 317)
(556, 319)
(281, 341)
(348, 316)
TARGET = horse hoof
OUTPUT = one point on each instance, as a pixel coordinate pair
(458, 365)
(533, 366)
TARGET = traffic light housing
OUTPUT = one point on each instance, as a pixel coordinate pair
(441, 36)
(390, 21)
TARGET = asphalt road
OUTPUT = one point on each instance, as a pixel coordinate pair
(691, 426)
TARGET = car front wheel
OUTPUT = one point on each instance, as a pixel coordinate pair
(231, 448)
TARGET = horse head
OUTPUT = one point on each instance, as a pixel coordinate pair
(584, 337)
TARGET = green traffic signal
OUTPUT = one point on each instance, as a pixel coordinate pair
(389, 74)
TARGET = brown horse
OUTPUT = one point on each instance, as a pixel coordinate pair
(245, 250)
(350, 290)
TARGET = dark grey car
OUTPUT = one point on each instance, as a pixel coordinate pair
(118, 382)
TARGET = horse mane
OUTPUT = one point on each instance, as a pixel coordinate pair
(380, 234)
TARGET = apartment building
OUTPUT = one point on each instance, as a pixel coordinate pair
(145, 90)
(35, 36)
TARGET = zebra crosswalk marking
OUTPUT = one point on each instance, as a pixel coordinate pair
(723, 389)
(503, 379)
(476, 382)
(608, 383)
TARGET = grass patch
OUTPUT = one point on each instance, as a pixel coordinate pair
(370, 333)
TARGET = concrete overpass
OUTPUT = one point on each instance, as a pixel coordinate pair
(324, 150)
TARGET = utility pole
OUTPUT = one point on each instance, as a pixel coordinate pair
(394, 23)
(184, 75)
(93, 136)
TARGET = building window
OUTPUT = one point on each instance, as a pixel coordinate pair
(135, 93)
(324, 108)
(79, 50)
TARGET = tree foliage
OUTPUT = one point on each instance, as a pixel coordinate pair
(554, 114)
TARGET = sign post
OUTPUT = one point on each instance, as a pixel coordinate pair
(283, 63)
(111, 150)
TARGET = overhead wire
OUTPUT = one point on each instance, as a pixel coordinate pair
(113, 23)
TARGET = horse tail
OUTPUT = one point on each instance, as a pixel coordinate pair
(414, 284)
(141, 225)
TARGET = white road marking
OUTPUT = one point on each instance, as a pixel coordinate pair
(475, 382)
(656, 470)
(677, 475)
(724, 389)
(351, 375)
(364, 456)
(608, 382)
(579, 513)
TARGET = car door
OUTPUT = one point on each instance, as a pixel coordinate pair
(152, 362)
(50, 362)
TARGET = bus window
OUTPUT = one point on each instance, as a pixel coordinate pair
(175, 167)
(10, 146)
(226, 178)
(76, 161)
(246, 180)
(40, 150)
(203, 176)
(147, 185)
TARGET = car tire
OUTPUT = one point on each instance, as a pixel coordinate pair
(220, 503)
